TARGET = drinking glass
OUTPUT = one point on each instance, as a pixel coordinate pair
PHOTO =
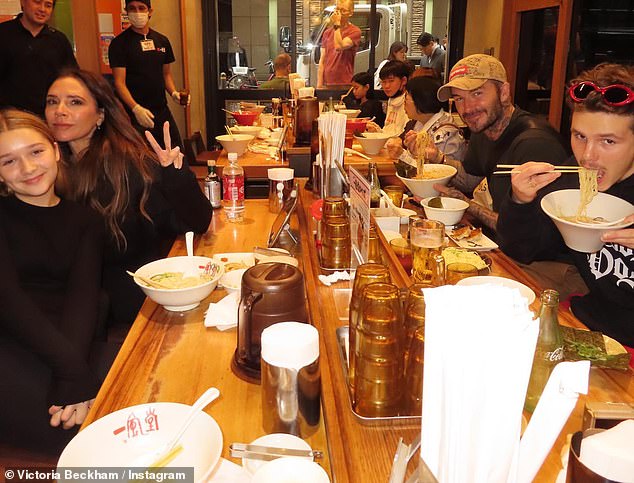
(426, 237)
(334, 206)
(379, 352)
(335, 243)
(413, 397)
(395, 193)
(459, 270)
(366, 274)
(403, 252)
(414, 314)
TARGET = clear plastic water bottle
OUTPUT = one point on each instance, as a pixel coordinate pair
(233, 189)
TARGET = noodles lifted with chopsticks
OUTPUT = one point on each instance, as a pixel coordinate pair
(422, 142)
(588, 186)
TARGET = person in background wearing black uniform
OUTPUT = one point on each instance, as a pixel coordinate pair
(140, 59)
(146, 197)
(51, 251)
(31, 56)
(602, 138)
(362, 97)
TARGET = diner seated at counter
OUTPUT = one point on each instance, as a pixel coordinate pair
(146, 198)
(51, 363)
(394, 76)
(602, 138)
(362, 97)
(282, 66)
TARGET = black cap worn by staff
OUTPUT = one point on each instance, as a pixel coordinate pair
(147, 2)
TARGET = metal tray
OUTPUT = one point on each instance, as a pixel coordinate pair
(342, 342)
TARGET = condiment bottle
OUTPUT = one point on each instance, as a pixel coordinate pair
(212, 185)
(549, 350)
(375, 185)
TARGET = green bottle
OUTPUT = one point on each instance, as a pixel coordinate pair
(549, 350)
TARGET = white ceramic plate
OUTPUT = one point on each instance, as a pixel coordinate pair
(275, 440)
(482, 244)
(526, 292)
(125, 437)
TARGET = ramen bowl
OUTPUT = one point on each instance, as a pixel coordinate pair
(433, 174)
(451, 212)
(584, 238)
(129, 437)
(235, 143)
(178, 299)
(356, 125)
(372, 144)
(245, 118)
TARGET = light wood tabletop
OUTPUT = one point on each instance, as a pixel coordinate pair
(173, 357)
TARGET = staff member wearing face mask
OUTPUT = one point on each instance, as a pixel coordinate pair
(140, 59)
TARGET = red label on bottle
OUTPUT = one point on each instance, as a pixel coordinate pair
(233, 188)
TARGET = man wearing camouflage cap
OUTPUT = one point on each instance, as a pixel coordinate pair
(501, 133)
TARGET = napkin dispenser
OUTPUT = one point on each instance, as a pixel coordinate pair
(271, 293)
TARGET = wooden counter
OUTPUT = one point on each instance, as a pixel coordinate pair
(173, 357)
(255, 165)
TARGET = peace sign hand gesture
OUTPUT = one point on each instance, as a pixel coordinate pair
(168, 155)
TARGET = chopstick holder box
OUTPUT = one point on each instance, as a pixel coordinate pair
(291, 379)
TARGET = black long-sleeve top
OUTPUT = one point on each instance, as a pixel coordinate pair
(527, 234)
(176, 204)
(49, 289)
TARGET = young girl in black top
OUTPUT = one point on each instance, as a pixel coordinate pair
(50, 253)
(363, 98)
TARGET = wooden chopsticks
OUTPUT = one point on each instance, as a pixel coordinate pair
(512, 169)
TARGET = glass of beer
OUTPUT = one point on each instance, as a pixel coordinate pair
(427, 237)
(379, 352)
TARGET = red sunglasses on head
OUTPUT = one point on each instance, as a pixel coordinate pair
(614, 95)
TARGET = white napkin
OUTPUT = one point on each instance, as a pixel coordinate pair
(478, 357)
(559, 398)
(328, 280)
(610, 453)
(228, 472)
(223, 314)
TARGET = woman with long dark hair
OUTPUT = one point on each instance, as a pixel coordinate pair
(145, 198)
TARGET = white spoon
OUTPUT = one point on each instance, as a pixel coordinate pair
(191, 269)
(153, 458)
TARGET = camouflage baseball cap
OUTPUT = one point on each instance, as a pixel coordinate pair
(471, 73)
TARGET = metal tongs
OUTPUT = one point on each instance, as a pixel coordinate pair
(268, 453)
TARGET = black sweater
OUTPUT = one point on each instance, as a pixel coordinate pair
(49, 289)
(528, 234)
(176, 204)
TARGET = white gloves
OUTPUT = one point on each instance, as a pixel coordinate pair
(143, 116)
(177, 97)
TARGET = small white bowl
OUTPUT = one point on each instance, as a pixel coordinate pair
(350, 113)
(424, 187)
(451, 213)
(372, 144)
(236, 143)
(178, 300)
(232, 281)
(584, 238)
(275, 440)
